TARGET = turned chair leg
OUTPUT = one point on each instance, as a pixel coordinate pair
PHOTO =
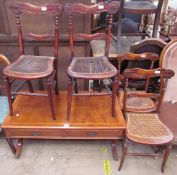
(8, 91)
(75, 87)
(56, 82)
(69, 97)
(114, 94)
(165, 157)
(30, 87)
(50, 96)
(124, 153)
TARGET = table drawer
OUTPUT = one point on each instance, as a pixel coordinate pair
(64, 133)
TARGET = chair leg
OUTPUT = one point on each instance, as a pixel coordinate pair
(8, 91)
(69, 97)
(75, 87)
(119, 29)
(165, 157)
(56, 82)
(157, 19)
(124, 153)
(30, 87)
(50, 96)
(114, 94)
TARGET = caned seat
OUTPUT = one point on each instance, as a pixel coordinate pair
(91, 67)
(30, 66)
(138, 104)
(147, 129)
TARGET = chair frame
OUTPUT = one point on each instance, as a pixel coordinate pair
(51, 80)
(70, 10)
(146, 74)
(140, 11)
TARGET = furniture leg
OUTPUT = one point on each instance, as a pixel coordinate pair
(75, 86)
(165, 157)
(30, 87)
(114, 92)
(8, 91)
(124, 153)
(69, 97)
(50, 96)
(11, 145)
(16, 149)
(56, 79)
(114, 150)
(120, 15)
(157, 19)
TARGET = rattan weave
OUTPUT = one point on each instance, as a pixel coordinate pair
(140, 103)
(91, 66)
(32, 64)
(147, 127)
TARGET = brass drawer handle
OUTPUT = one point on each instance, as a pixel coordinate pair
(35, 133)
(91, 133)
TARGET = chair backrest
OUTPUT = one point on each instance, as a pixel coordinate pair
(135, 74)
(151, 45)
(78, 8)
(168, 60)
(49, 9)
(151, 57)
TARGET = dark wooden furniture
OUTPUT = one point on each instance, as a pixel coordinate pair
(4, 61)
(138, 7)
(9, 39)
(31, 67)
(96, 122)
(90, 68)
(146, 127)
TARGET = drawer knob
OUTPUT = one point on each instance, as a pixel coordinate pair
(91, 133)
(35, 133)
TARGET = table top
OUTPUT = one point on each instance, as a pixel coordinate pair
(87, 111)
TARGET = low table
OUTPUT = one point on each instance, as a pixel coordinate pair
(90, 119)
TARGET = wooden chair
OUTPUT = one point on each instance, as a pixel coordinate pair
(31, 67)
(149, 45)
(4, 61)
(142, 104)
(90, 68)
(138, 7)
(146, 128)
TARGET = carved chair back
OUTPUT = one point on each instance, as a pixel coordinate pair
(136, 74)
(49, 9)
(78, 8)
(151, 57)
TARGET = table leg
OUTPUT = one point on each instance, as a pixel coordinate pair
(15, 148)
(114, 150)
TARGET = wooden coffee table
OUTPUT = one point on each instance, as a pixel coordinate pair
(90, 119)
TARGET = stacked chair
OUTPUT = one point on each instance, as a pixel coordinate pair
(32, 67)
(90, 68)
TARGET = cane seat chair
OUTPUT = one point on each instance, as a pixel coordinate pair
(140, 104)
(139, 7)
(146, 128)
(3, 63)
(32, 67)
(90, 68)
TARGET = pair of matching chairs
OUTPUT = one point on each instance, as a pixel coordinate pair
(32, 67)
(141, 108)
